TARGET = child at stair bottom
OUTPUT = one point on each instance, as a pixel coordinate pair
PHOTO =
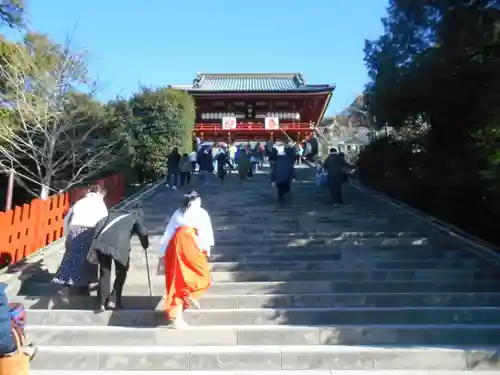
(12, 321)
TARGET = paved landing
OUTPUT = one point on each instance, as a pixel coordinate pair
(303, 286)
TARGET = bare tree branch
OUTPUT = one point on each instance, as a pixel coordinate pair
(45, 133)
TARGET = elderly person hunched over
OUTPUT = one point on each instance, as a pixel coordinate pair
(112, 245)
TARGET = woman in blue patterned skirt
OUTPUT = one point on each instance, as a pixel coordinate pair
(79, 224)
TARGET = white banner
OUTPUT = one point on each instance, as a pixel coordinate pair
(272, 123)
(228, 123)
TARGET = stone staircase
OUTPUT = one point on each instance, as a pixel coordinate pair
(300, 287)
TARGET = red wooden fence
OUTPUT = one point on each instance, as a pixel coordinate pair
(24, 230)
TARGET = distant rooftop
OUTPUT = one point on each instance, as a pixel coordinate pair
(252, 82)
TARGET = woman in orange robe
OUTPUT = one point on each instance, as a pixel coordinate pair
(187, 242)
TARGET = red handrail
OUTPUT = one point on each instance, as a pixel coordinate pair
(252, 126)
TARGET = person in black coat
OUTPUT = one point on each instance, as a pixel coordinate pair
(205, 163)
(283, 173)
(173, 172)
(112, 245)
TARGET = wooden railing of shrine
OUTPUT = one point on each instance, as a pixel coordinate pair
(30, 227)
(253, 126)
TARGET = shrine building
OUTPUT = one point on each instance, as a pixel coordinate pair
(256, 107)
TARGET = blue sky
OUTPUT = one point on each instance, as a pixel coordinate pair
(161, 42)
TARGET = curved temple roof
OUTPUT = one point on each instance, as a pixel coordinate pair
(252, 82)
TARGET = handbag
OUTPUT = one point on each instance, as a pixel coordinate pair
(17, 363)
(324, 179)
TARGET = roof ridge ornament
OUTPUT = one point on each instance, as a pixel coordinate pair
(197, 80)
(300, 79)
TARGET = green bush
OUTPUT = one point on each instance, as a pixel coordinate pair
(161, 119)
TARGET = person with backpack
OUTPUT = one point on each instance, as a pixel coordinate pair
(223, 162)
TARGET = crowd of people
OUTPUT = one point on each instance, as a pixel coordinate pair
(217, 159)
(213, 159)
(97, 238)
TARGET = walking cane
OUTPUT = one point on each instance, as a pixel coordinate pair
(149, 276)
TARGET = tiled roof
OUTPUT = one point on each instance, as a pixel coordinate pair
(253, 83)
(350, 136)
(355, 138)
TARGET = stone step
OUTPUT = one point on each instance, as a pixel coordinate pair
(293, 301)
(331, 265)
(298, 287)
(247, 372)
(290, 357)
(271, 316)
(358, 251)
(263, 250)
(357, 275)
(325, 261)
(274, 245)
(334, 233)
(347, 256)
(238, 239)
(468, 264)
(379, 334)
(314, 287)
(346, 276)
(277, 246)
(326, 270)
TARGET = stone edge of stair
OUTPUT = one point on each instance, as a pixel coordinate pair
(259, 372)
(283, 357)
(13, 277)
(487, 250)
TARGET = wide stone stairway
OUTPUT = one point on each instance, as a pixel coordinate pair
(301, 287)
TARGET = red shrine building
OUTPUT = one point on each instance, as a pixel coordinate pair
(246, 107)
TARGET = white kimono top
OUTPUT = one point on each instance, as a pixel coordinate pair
(195, 217)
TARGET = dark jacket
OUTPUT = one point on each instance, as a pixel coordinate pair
(283, 171)
(205, 160)
(173, 160)
(335, 166)
(114, 232)
(222, 161)
(273, 154)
